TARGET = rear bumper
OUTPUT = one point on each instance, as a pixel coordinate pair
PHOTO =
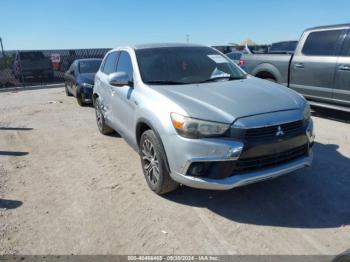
(246, 178)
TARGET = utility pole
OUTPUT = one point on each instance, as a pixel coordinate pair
(2, 48)
(187, 38)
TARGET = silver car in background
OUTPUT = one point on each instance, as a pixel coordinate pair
(197, 119)
(236, 57)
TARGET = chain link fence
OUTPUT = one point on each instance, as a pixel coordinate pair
(40, 67)
(43, 67)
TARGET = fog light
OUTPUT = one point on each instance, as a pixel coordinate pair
(197, 169)
(234, 153)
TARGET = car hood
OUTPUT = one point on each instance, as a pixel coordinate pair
(226, 101)
(88, 78)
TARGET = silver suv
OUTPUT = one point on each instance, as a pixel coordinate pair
(197, 119)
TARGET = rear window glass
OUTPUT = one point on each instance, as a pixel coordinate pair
(89, 66)
(283, 46)
(31, 55)
(322, 43)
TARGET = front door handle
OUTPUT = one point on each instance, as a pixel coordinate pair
(344, 68)
(299, 65)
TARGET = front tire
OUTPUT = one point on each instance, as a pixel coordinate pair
(153, 164)
(100, 119)
(66, 90)
(80, 100)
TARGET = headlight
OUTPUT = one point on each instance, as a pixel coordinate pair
(196, 128)
(87, 85)
(307, 111)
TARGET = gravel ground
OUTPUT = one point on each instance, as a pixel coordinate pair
(66, 189)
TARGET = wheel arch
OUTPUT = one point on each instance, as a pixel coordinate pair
(266, 70)
(142, 125)
(94, 97)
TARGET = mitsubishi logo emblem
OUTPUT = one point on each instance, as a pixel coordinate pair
(279, 131)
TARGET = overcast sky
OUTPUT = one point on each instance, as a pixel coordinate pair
(44, 24)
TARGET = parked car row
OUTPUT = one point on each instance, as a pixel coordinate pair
(194, 116)
(319, 69)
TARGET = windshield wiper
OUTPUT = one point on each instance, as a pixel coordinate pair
(165, 82)
(213, 79)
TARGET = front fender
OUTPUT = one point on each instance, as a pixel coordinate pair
(159, 122)
(157, 128)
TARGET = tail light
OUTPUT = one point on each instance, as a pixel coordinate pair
(241, 62)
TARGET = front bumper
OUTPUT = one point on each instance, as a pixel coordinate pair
(230, 152)
(244, 179)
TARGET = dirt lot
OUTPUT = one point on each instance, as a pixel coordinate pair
(66, 189)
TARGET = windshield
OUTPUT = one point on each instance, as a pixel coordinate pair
(185, 65)
(91, 66)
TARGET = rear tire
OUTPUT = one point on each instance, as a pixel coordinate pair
(100, 119)
(154, 166)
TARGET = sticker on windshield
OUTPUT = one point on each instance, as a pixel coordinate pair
(218, 59)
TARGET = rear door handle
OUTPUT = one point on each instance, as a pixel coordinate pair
(344, 68)
(299, 65)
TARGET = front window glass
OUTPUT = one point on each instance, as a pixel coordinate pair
(185, 65)
(125, 64)
(91, 66)
(110, 63)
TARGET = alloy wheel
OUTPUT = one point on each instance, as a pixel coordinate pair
(99, 116)
(150, 161)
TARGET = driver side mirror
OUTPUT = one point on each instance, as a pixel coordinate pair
(120, 79)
